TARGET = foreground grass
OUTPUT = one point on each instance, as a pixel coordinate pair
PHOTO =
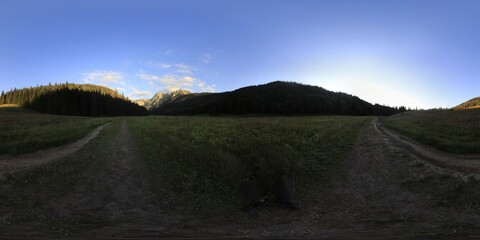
(450, 131)
(203, 160)
(28, 195)
(23, 131)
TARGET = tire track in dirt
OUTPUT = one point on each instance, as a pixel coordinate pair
(387, 190)
(119, 196)
(120, 191)
(10, 163)
(462, 163)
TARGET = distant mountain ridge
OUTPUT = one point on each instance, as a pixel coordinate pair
(161, 98)
(472, 103)
(285, 98)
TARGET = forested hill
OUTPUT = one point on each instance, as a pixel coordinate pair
(286, 98)
(472, 103)
(73, 99)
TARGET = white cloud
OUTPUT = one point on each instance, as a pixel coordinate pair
(119, 89)
(177, 67)
(172, 88)
(104, 77)
(184, 68)
(169, 80)
(174, 76)
(206, 88)
(188, 79)
(172, 82)
(117, 81)
(146, 76)
(160, 65)
(140, 94)
(206, 58)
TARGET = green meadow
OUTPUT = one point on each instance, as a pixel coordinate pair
(195, 163)
(447, 130)
(24, 131)
(203, 160)
(27, 194)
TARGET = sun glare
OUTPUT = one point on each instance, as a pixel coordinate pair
(374, 80)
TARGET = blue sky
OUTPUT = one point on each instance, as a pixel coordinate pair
(416, 53)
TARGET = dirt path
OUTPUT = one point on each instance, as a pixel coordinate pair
(463, 163)
(118, 196)
(385, 189)
(118, 192)
(121, 198)
(13, 163)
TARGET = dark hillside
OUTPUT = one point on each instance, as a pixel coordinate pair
(284, 98)
(73, 99)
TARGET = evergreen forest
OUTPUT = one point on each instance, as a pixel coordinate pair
(73, 99)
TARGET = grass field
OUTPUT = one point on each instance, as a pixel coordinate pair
(450, 131)
(27, 195)
(190, 169)
(204, 160)
(24, 131)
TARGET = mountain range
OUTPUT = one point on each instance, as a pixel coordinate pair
(282, 98)
(162, 98)
(275, 98)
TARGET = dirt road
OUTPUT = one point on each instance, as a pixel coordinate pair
(390, 189)
(118, 195)
(13, 163)
(119, 200)
(462, 163)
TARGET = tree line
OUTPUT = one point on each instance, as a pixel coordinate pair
(73, 99)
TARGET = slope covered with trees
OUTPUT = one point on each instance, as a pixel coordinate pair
(472, 103)
(73, 99)
(286, 98)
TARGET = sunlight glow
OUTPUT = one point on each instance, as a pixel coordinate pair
(373, 81)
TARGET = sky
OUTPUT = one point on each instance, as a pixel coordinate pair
(421, 54)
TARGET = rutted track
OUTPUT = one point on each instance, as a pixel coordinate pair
(387, 189)
(13, 163)
(461, 163)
